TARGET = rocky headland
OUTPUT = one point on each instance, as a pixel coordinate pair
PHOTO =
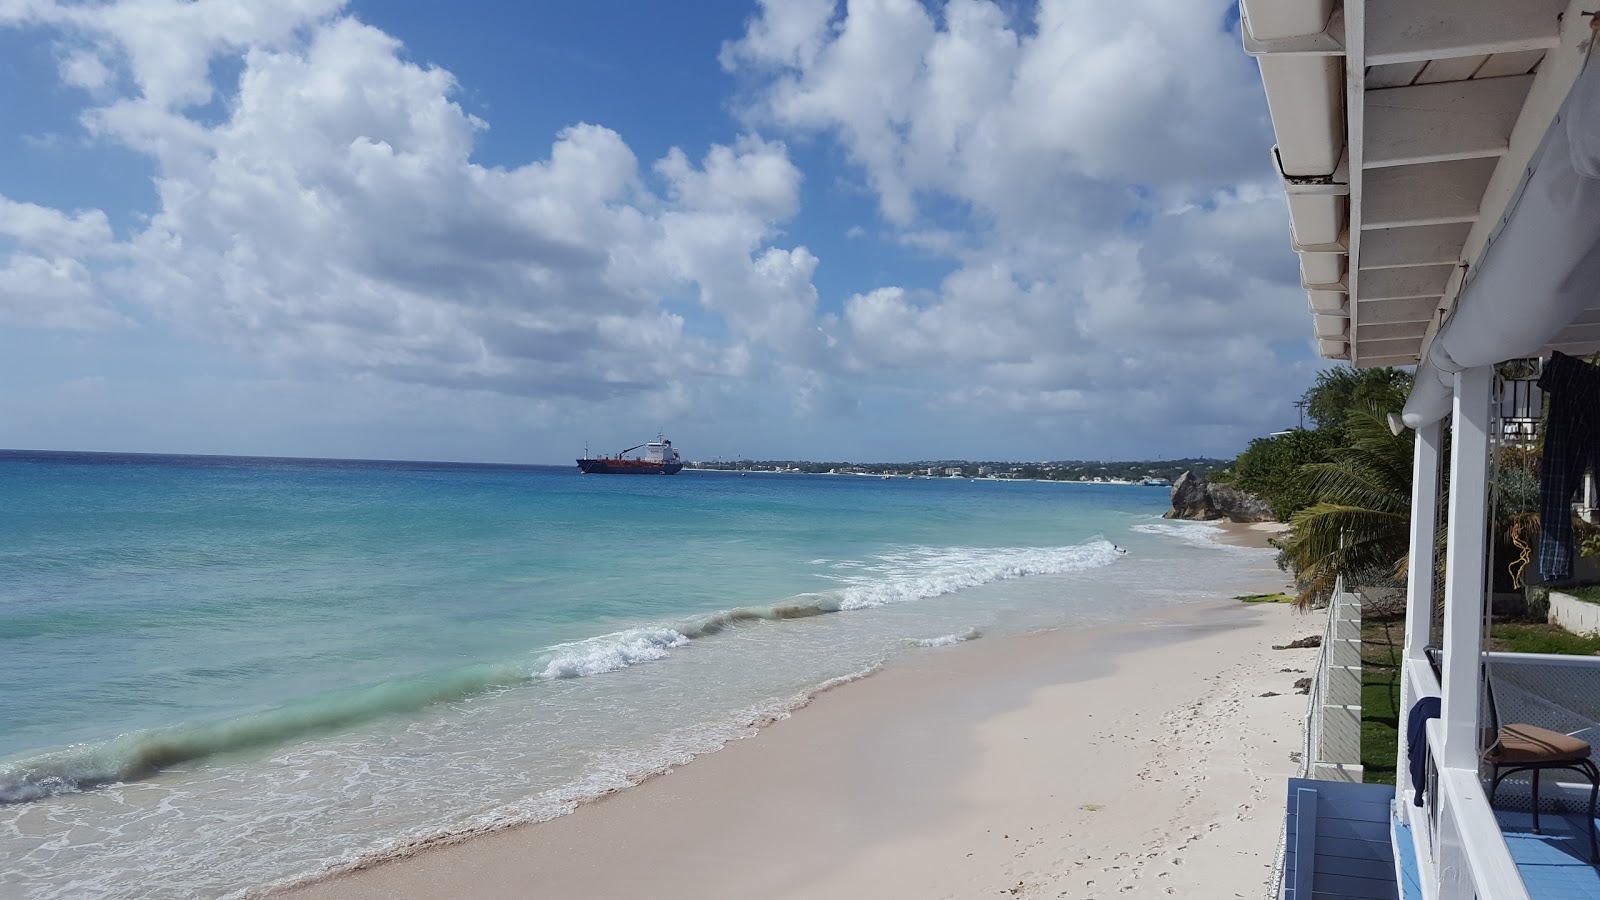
(1193, 497)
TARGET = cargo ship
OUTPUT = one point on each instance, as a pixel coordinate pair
(659, 459)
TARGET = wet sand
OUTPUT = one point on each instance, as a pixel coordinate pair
(1140, 760)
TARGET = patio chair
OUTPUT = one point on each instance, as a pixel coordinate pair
(1521, 747)
(1529, 748)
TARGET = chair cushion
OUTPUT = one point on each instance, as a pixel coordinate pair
(1531, 745)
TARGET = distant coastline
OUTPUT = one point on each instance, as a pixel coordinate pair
(1160, 472)
(920, 477)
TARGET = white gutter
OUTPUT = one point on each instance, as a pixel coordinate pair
(1299, 45)
(1541, 267)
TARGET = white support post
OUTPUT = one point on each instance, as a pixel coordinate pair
(1424, 506)
(1464, 567)
(1419, 586)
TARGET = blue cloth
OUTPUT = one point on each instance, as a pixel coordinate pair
(1417, 742)
(1571, 445)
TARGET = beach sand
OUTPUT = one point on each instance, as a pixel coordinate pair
(1249, 534)
(1142, 760)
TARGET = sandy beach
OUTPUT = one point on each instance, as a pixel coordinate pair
(1248, 534)
(1138, 760)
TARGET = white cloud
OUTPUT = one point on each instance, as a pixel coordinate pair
(36, 227)
(50, 293)
(1116, 254)
(334, 219)
(963, 102)
(44, 281)
(1088, 176)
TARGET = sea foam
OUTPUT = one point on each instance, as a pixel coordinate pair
(946, 640)
(611, 652)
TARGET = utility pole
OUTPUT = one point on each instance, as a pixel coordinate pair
(1300, 407)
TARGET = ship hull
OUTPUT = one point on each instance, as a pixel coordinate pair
(627, 467)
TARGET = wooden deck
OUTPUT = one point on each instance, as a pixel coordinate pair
(1343, 830)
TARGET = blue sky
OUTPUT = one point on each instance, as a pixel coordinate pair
(877, 230)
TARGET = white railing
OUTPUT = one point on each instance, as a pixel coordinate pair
(1459, 845)
(1331, 746)
(1332, 750)
(1465, 846)
(1561, 693)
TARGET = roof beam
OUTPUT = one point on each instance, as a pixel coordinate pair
(1390, 312)
(1430, 194)
(1399, 75)
(1436, 122)
(1501, 64)
(1404, 283)
(1585, 334)
(1453, 68)
(1355, 109)
(1403, 348)
(1437, 245)
(1412, 330)
(1373, 362)
(1400, 31)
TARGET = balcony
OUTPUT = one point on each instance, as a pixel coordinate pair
(1455, 844)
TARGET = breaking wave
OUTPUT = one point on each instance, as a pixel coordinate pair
(908, 575)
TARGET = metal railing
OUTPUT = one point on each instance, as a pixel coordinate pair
(1332, 749)
(1331, 739)
(1459, 842)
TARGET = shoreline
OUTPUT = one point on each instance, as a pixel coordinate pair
(894, 774)
(1249, 534)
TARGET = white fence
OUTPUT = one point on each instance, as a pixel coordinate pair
(1332, 738)
(1333, 717)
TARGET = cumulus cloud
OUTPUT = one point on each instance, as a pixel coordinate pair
(43, 281)
(1088, 176)
(334, 219)
(1118, 254)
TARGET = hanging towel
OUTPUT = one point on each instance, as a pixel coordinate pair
(1417, 742)
(1571, 445)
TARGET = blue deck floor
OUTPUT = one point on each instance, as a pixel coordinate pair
(1554, 864)
(1406, 852)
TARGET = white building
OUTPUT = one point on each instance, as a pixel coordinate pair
(1441, 161)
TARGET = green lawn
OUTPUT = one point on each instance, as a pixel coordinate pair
(1529, 638)
(1381, 643)
(1589, 593)
(1381, 640)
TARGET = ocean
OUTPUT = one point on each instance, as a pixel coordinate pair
(226, 674)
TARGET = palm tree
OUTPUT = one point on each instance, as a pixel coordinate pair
(1359, 523)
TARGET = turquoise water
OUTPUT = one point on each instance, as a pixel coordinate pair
(224, 674)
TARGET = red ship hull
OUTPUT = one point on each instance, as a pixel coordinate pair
(627, 467)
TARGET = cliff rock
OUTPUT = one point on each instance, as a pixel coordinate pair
(1194, 497)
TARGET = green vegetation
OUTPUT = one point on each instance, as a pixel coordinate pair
(1587, 593)
(1270, 468)
(1381, 640)
(1342, 389)
(1265, 598)
(1359, 523)
(1533, 638)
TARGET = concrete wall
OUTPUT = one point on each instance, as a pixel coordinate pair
(1573, 614)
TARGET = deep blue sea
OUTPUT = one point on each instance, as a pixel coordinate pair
(222, 674)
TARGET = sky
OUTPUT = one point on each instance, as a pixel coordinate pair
(876, 231)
